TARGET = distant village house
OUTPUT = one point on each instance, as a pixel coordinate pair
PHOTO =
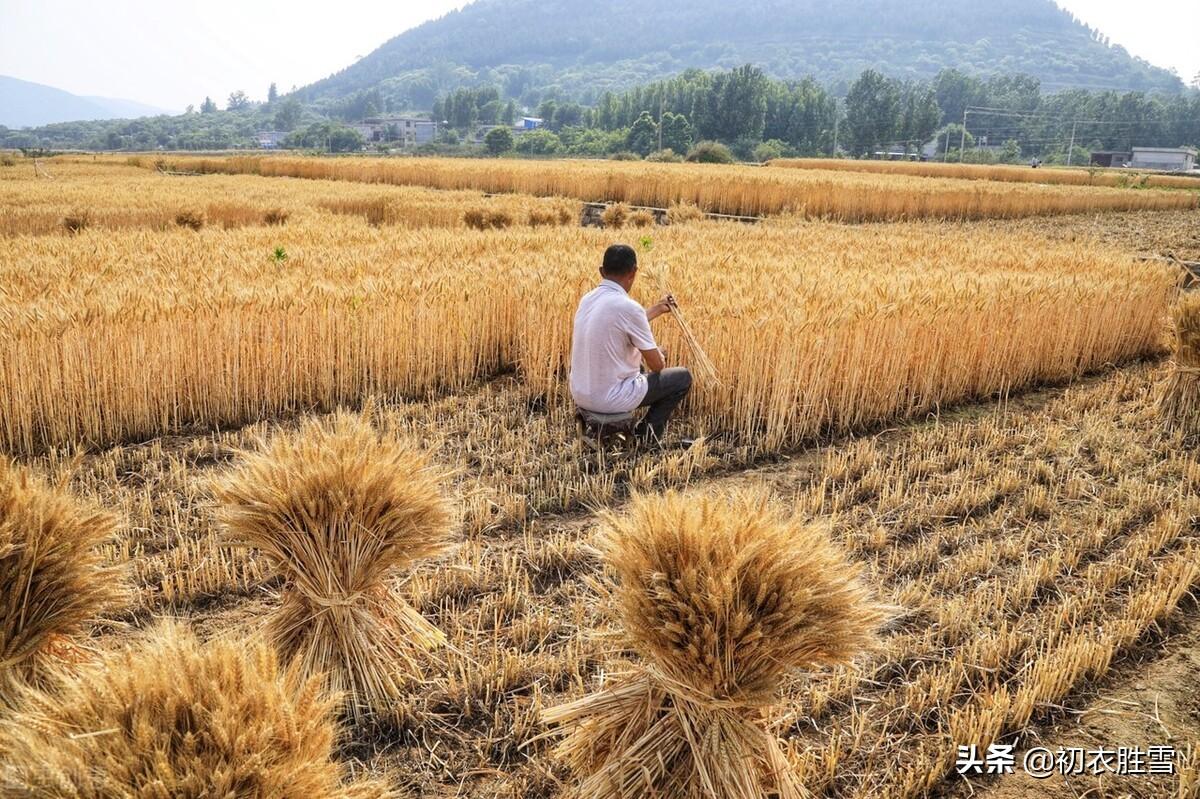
(269, 139)
(408, 131)
(1170, 159)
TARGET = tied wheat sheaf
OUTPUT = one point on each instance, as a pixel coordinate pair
(173, 718)
(1180, 399)
(335, 508)
(721, 596)
(54, 578)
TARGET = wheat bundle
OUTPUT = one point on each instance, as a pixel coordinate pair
(701, 363)
(1180, 399)
(721, 597)
(334, 508)
(174, 718)
(54, 578)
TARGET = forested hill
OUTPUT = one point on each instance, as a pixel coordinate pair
(584, 47)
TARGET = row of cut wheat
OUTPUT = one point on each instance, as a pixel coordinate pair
(998, 172)
(109, 336)
(740, 190)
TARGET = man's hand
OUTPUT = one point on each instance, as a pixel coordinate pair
(661, 307)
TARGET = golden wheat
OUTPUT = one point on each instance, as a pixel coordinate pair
(811, 327)
(54, 580)
(738, 190)
(115, 196)
(1180, 398)
(721, 597)
(1079, 176)
(334, 509)
(172, 717)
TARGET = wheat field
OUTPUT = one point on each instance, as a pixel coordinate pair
(335, 449)
(230, 326)
(738, 190)
(1006, 173)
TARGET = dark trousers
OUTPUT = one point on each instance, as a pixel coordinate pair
(664, 391)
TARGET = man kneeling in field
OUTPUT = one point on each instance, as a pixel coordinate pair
(611, 343)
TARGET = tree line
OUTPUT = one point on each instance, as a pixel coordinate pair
(758, 117)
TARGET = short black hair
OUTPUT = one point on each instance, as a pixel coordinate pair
(619, 261)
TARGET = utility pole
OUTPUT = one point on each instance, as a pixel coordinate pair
(836, 116)
(946, 148)
(1071, 146)
(661, 100)
(962, 144)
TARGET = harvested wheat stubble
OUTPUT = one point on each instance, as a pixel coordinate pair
(1033, 547)
(334, 508)
(737, 190)
(1180, 398)
(170, 717)
(721, 597)
(54, 579)
(857, 325)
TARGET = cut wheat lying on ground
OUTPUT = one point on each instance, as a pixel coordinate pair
(1123, 179)
(110, 195)
(1004, 611)
(113, 335)
(742, 190)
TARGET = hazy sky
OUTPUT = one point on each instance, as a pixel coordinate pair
(171, 53)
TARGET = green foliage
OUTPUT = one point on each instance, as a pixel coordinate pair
(237, 101)
(677, 132)
(289, 114)
(665, 156)
(570, 51)
(643, 135)
(772, 148)
(591, 142)
(1011, 152)
(272, 93)
(710, 152)
(539, 142)
(208, 106)
(279, 255)
(327, 136)
(497, 140)
(872, 113)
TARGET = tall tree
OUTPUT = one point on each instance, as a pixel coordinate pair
(237, 101)
(677, 133)
(872, 112)
(272, 93)
(643, 135)
(288, 115)
(208, 106)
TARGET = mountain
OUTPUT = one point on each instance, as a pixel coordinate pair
(27, 104)
(582, 48)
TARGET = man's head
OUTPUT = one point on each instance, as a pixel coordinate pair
(620, 265)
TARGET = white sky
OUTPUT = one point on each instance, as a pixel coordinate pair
(170, 53)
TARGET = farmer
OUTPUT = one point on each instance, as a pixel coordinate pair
(612, 341)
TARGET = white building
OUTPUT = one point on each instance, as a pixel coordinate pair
(269, 139)
(409, 131)
(1170, 159)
